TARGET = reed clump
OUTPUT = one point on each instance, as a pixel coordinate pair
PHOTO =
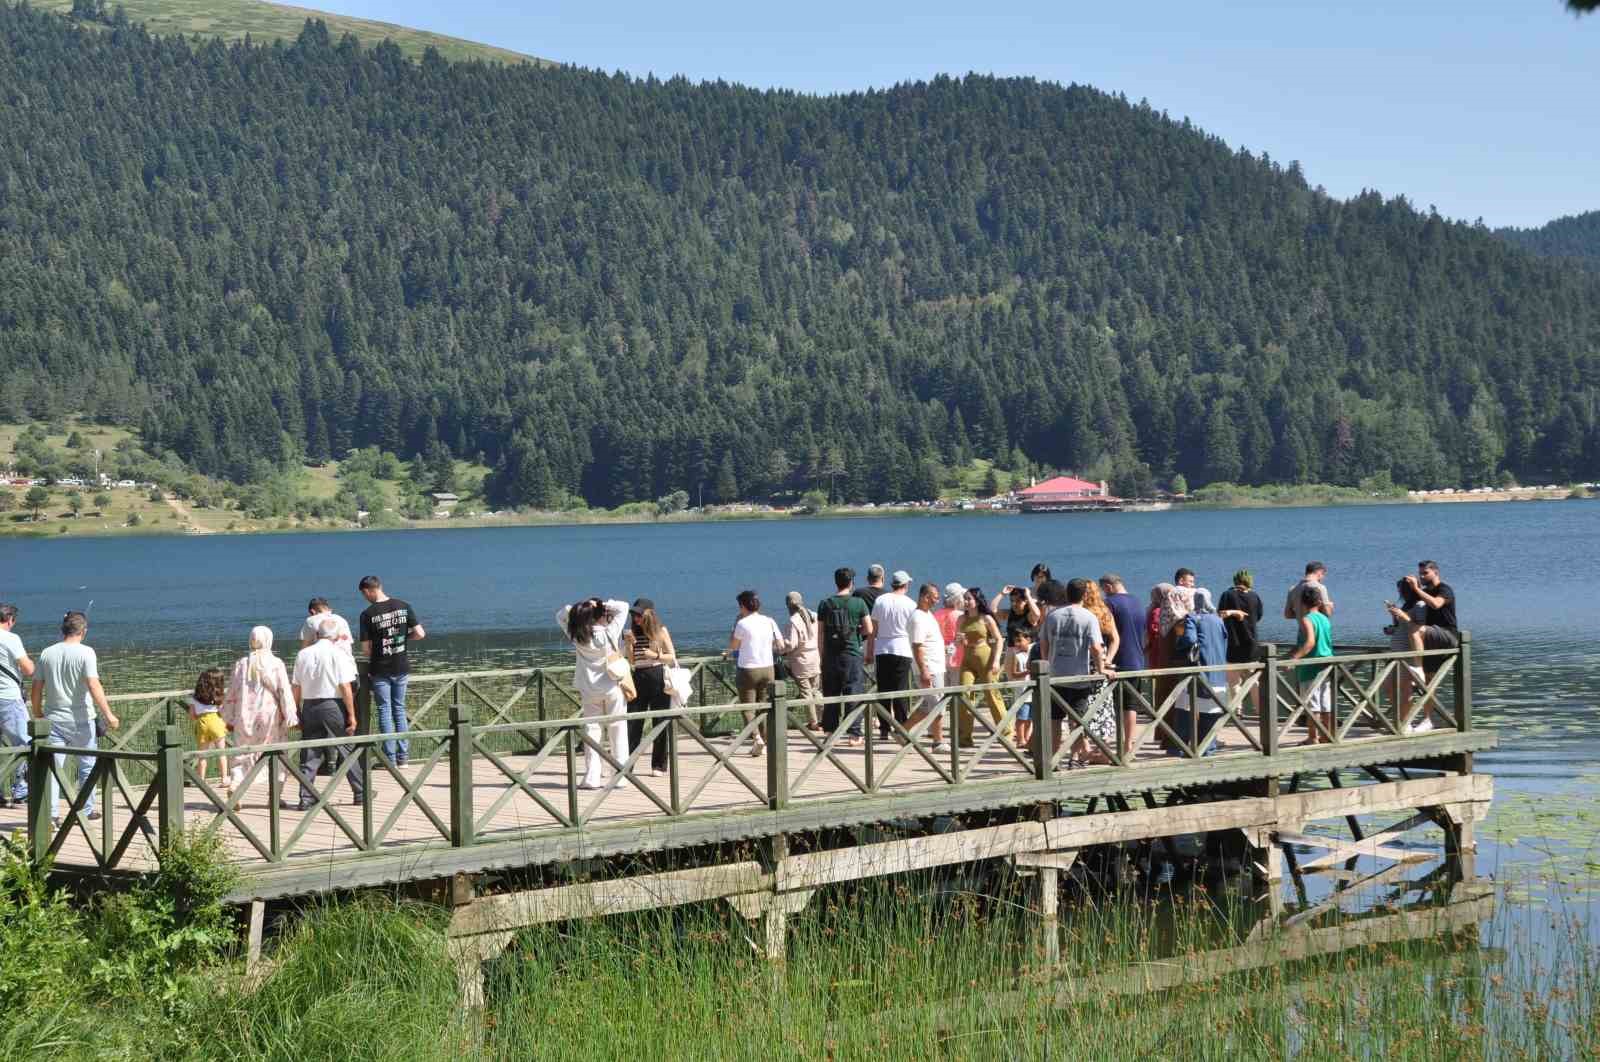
(913, 968)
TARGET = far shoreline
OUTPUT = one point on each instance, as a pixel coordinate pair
(51, 528)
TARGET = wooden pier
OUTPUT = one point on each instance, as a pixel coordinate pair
(492, 788)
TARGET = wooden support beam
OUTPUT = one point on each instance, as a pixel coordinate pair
(492, 914)
(258, 918)
(772, 909)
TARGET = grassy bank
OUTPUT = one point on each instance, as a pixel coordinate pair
(910, 969)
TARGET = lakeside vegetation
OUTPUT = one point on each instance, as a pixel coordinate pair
(917, 967)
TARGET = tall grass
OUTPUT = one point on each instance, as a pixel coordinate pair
(914, 968)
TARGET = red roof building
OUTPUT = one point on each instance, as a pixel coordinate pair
(1066, 494)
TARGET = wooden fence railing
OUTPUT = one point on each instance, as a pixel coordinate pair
(499, 753)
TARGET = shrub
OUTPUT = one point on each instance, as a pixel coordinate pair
(174, 923)
(41, 936)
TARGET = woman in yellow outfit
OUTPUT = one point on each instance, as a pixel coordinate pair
(980, 660)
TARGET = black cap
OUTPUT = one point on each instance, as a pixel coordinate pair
(641, 604)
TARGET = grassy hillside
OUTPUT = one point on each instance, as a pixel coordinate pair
(232, 19)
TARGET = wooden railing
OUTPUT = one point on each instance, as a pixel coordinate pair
(512, 738)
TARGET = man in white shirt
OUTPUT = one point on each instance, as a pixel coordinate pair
(315, 610)
(322, 682)
(927, 643)
(14, 667)
(890, 644)
(754, 638)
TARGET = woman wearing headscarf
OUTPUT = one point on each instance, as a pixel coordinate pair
(259, 705)
(1176, 604)
(1203, 642)
(801, 655)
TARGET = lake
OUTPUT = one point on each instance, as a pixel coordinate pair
(165, 606)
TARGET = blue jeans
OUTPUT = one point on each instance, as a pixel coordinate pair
(389, 698)
(14, 733)
(78, 735)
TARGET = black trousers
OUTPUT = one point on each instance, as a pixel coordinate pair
(894, 673)
(651, 684)
(842, 674)
(320, 719)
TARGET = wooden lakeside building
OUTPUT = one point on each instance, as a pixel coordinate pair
(489, 810)
(1065, 494)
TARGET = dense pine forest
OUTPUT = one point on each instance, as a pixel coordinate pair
(1575, 238)
(258, 255)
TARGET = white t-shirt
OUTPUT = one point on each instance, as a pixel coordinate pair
(10, 675)
(756, 633)
(65, 669)
(891, 617)
(320, 668)
(926, 635)
(342, 641)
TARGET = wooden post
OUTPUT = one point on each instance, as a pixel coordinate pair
(1269, 698)
(1043, 721)
(39, 825)
(258, 918)
(169, 785)
(461, 808)
(363, 693)
(777, 749)
(1464, 682)
(1047, 893)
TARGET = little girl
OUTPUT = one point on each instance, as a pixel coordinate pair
(1017, 668)
(210, 732)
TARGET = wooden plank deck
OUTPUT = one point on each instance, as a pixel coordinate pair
(522, 832)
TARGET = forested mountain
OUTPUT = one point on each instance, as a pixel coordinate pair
(625, 287)
(1575, 238)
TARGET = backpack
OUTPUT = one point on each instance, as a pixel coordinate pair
(834, 617)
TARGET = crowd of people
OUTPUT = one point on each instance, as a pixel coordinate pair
(916, 639)
(261, 702)
(919, 639)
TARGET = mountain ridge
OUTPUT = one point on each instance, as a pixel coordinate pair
(619, 287)
(1573, 237)
(267, 20)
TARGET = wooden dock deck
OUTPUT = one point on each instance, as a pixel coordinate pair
(504, 792)
(496, 760)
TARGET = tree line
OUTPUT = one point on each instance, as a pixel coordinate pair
(619, 288)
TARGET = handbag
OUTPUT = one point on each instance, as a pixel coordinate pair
(780, 667)
(621, 672)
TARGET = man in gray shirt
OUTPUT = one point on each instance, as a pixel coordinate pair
(14, 667)
(67, 692)
(1070, 640)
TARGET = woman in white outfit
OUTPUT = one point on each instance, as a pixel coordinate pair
(594, 627)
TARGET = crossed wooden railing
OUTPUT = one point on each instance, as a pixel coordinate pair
(513, 739)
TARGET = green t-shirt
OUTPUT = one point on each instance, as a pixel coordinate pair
(847, 612)
(1323, 646)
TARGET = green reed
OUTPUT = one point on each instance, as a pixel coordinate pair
(914, 968)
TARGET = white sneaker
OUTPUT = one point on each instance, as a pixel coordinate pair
(940, 746)
(586, 784)
(1420, 728)
(757, 747)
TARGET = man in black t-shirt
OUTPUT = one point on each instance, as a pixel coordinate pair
(1438, 629)
(874, 588)
(386, 626)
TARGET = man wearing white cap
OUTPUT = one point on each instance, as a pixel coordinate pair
(890, 644)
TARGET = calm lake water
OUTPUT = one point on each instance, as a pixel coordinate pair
(163, 606)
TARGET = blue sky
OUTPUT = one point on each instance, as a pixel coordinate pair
(1485, 109)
